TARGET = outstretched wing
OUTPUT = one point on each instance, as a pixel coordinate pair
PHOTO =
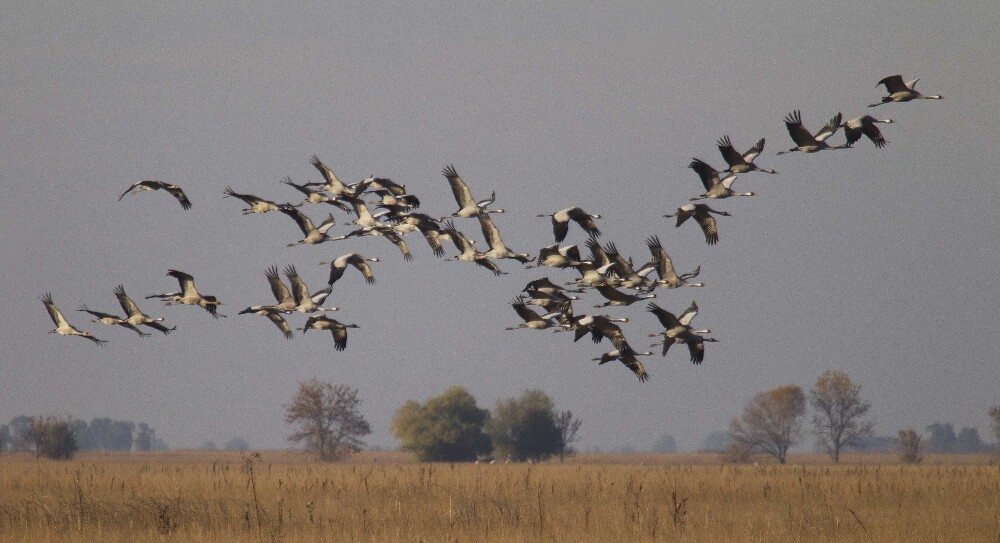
(339, 337)
(754, 151)
(301, 188)
(299, 289)
(830, 128)
(300, 218)
(637, 368)
(98, 314)
(280, 322)
(366, 270)
(667, 343)
(893, 84)
(559, 229)
(799, 134)
(490, 231)
(331, 178)
(490, 265)
(392, 236)
(526, 313)
(249, 199)
(874, 134)
(130, 189)
(709, 227)
(54, 313)
(160, 327)
(697, 349)
(146, 184)
(458, 187)
(853, 134)
(127, 304)
(278, 288)
(664, 266)
(709, 175)
(186, 282)
(666, 318)
(728, 152)
(585, 220)
(433, 240)
(689, 314)
(461, 242)
(177, 192)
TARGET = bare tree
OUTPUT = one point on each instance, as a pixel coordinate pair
(568, 427)
(838, 422)
(771, 421)
(910, 446)
(327, 418)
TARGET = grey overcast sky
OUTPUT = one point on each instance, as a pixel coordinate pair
(878, 262)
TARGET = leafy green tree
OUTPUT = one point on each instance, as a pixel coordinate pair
(236, 444)
(52, 438)
(100, 429)
(524, 428)
(144, 436)
(942, 439)
(158, 444)
(112, 435)
(328, 419)
(447, 428)
(771, 422)
(839, 413)
(122, 432)
(84, 436)
(20, 434)
(665, 443)
(717, 441)
(968, 441)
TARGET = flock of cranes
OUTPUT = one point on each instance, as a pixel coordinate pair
(602, 270)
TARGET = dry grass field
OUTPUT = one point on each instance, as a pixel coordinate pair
(383, 497)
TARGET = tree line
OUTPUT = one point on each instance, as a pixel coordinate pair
(59, 437)
(451, 427)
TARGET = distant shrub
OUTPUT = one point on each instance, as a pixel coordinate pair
(910, 446)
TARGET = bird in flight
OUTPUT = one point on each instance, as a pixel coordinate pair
(175, 190)
(64, 328)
